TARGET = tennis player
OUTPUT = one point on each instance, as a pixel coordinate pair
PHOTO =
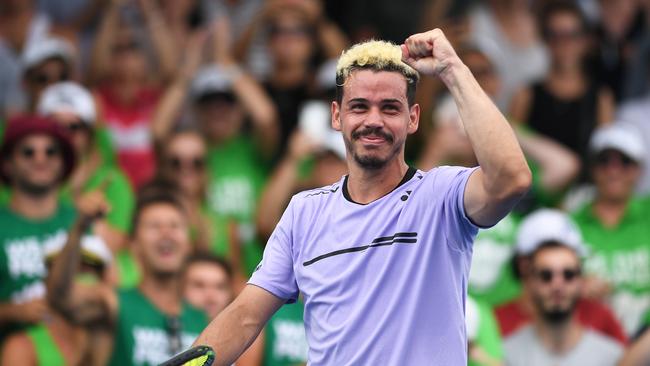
(382, 256)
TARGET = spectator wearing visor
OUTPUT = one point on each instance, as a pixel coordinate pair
(556, 337)
(73, 107)
(37, 158)
(64, 338)
(615, 226)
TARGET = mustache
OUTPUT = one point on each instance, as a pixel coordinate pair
(373, 131)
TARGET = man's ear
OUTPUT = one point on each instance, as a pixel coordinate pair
(336, 116)
(414, 118)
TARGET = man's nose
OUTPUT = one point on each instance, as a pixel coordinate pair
(374, 118)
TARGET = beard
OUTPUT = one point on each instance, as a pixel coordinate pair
(555, 315)
(34, 189)
(370, 161)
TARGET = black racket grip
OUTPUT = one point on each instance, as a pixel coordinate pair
(195, 356)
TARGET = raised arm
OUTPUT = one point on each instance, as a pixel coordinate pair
(235, 329)
(165, 49)
(503, 176)
(80, 302)
(101, 53)
(249, 92)
(282, 185)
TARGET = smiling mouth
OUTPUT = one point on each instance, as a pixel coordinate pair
(166, 248)
(372, 136)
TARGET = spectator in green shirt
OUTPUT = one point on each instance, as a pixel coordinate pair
(152, 322)
(49, 343)
(616, 226)
(37, 157)
(240, 124)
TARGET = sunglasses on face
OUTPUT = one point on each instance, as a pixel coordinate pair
(29, 152)
(46, 79)
(196, 163)
(607, 159)
(173, 329)
(568, 274)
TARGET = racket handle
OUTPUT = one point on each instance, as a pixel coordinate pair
(195, 356)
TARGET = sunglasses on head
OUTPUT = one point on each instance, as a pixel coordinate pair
(546, 275)
(196, 163)
(29, 152)
(77, 126)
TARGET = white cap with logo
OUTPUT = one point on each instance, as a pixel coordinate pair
(69, 97)
(621, 138)
(545, 225)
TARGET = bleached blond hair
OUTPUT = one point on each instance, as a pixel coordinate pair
(377, 56)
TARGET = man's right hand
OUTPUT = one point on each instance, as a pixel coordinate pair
(92, 206)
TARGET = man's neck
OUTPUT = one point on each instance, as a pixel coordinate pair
(559, 338)
(609, 212)
(34, 207)
(367, 185)
(163, 291)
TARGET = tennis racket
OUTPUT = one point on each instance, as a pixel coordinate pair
(195, 356)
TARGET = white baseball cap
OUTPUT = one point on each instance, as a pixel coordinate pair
(92, 247)
(621, 138)
(211, 79)
(47, 48)
(546, 225)
(69, 97)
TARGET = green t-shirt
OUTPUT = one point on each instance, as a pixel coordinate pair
(621, 256)
(47, 352)
(488, 336)
(142, 332)
(237, 175)
(119, 195)
(285, 342)
(491, 277)
(128, 270)
(22, 266)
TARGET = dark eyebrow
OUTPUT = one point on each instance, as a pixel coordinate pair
(383, 101)
(358, 100)
(391, 101)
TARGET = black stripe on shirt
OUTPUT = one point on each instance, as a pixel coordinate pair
(399, 238)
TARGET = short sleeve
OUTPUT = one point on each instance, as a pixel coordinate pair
(275, 272)
(450, 182)
(119, 195)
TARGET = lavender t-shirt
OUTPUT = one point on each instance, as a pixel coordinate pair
(383, 283)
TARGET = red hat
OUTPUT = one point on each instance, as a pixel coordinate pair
(22, 126)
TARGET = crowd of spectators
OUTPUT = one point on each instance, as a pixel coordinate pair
(149, 147)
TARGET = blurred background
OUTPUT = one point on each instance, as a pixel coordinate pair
(149, 148)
